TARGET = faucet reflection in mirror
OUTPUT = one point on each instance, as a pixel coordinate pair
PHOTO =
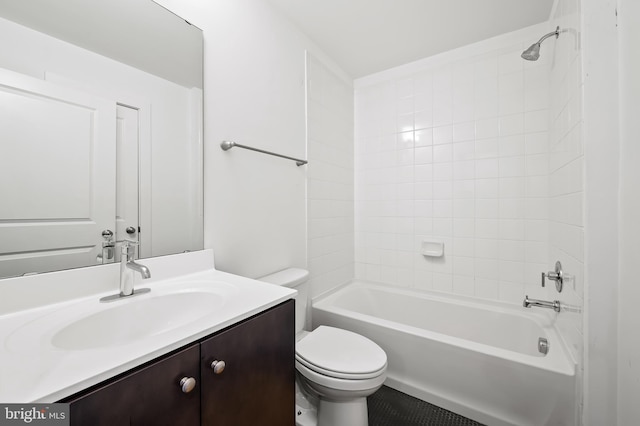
(127, 266)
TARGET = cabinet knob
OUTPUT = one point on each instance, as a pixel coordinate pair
(218, 366)
(187, 384)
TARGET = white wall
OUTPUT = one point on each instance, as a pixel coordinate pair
(455, 147)
(255, 205)
(601, 153)
(330, 177)
(629, 291)
(566, 168)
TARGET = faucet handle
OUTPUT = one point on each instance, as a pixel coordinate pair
(556, 275)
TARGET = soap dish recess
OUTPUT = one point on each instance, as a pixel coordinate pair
(432, 248)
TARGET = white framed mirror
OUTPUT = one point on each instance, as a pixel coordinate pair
(100, 133)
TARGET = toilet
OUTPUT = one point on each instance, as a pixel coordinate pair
(338, 367)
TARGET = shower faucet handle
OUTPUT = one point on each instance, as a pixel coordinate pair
(557, 276)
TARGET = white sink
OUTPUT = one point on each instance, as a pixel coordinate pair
(121, 324)
(88, 324)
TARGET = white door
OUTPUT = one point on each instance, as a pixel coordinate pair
(127, 223)
(57, 175)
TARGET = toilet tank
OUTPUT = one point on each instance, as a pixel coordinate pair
(296, 279)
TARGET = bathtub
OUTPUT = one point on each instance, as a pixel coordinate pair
(478, 359)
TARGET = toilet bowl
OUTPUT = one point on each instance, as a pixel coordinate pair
(338, 367)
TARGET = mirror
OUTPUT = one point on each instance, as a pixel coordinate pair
(100, 133)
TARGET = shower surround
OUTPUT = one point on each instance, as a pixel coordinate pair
(455, 148)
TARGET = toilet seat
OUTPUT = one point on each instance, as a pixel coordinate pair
(341, 354)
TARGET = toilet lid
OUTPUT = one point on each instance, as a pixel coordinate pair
(340, 353)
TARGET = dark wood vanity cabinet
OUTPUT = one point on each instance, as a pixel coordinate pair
(255, 387)
(149, 396)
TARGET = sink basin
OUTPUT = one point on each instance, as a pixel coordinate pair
(121, 324)
(88, 324)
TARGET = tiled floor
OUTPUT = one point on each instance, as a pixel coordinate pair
(389, 407)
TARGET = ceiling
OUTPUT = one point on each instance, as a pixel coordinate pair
(367, 36)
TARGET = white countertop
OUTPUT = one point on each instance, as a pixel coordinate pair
(32, 369)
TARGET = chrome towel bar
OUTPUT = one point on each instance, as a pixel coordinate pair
(227, 145)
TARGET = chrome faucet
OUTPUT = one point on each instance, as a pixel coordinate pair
(527, 303)
(127, 266)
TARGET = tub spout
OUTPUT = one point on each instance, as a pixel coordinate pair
(527, 303)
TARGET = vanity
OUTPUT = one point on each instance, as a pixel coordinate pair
(202, 347)
(104, 148)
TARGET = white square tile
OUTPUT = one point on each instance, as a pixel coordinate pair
(487, 188)
(423, 208)
(423, 118)
(511, 146)
(512, 166)
(486, 228)
(512, 187)
(510, 61)
(464, 227)
(486, 98)
(463, 208)
(443, 227)
(464, 189)
(486, 288)
(486, 67)
(423, 155)
(464, 151)
(464, 247)
(512, 208)
(487, 208)
(487, 249)
(464, 170)
(512, 229)
(487, 168)
(442, 153)
(443, 171)
(442, 208)
(537, 165)
(464, 285)
(465, 131)
(404, 122)
(463, 266)
(486, 128)
(404, 105)
(537, 186)
(510, 93)
(511, 124)
(536, 121)
(443, 282)
(423, 137)
(442, 190)
(486, 148)
(511, 292)
(423, 172)
(513, 251)
(442, 135)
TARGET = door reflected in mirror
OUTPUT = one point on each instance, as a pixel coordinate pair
(100, 133)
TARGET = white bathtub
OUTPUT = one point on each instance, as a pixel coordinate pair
(478, 359)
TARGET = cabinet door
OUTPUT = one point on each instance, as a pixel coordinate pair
(257, 386)
(149, 396)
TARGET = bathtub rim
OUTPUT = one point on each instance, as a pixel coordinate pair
(556, 361)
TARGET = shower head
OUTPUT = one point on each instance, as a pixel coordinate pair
(533, 52)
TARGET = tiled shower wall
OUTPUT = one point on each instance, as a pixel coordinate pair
(330, 177)
(455, 148)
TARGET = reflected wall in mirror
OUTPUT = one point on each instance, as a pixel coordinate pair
(100, 133)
